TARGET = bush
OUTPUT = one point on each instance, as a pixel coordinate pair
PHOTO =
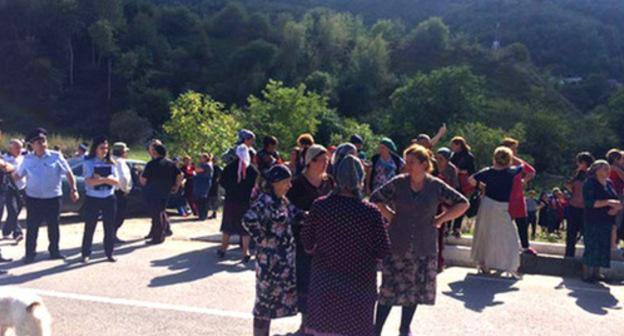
(129, 127)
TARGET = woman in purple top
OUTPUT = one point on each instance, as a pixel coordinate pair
(346, 237)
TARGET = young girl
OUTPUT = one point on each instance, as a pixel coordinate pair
(269, 222)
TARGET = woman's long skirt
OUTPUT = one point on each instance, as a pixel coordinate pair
(496, 243)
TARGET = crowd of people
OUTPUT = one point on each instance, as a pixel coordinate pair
(320, 224)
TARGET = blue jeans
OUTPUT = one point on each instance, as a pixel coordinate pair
(14, 202)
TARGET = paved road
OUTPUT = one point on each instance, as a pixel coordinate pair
(179, 289)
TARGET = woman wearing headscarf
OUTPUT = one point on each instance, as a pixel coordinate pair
(342, 151)
(306, 188)
(601, 208)
(385, 165)
(269, 222)
(411, 203)
(463, 159)
(246, 139)
(346, 237)
(236, 203)
(496, 243)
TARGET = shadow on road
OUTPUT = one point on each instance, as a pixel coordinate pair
(70, 264)
(479, 292)
(195, 265)
(595, 299)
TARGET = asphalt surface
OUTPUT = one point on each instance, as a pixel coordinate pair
(181, 289)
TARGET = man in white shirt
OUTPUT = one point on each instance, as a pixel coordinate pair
(15, 193)
(5, 169)
(123, 189)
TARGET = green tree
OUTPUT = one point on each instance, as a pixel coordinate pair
(284, 112)
(424, 46)
(368, 77)
(426, 101)
(198, 123)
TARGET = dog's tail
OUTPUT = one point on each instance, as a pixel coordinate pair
(41, 316)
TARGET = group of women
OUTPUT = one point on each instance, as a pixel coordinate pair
(318, 242)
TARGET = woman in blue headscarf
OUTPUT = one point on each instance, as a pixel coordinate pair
(269, 222)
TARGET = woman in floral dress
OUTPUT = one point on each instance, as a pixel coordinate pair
(269, 222)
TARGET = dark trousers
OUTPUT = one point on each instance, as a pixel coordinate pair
(157, 206)
(523, 231)
(42, 210)
(533, 222)
(457, 223)
(14, 202)
(574, 229)
(122, 208)
(94, 207)
(202, 207)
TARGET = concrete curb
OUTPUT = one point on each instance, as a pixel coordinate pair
(544, 264)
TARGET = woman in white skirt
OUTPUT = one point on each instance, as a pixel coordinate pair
(496, 243)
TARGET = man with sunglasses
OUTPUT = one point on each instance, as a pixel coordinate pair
(44, 170)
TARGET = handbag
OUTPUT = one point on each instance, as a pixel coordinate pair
(475, 202)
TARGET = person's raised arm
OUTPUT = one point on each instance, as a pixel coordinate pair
(439, 135)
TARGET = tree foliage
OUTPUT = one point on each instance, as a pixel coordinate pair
(200, 124)
(284, 112)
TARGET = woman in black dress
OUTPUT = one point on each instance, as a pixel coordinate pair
(306, 188)
(237, 200)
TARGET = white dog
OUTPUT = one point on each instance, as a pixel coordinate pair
(24, 312)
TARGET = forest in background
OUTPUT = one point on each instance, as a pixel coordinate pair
(546, 72)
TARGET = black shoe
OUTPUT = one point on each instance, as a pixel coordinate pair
(119, 241)
(154, 242)
(220, 254)
(246, 259)
(148, 237)
(169, 233)
(29, 259)
(111, 259)
(57, 256)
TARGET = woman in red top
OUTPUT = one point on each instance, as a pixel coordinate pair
(517, 201)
